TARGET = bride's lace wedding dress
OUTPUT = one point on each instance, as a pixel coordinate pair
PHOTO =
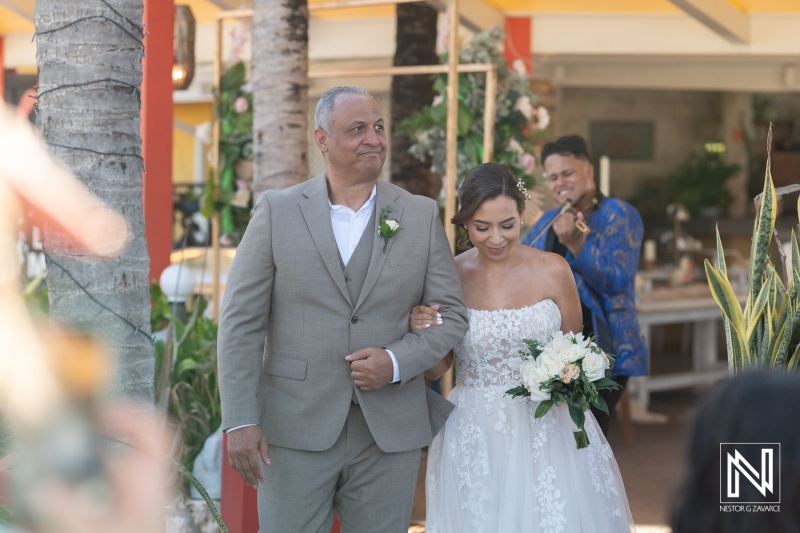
(496, 469)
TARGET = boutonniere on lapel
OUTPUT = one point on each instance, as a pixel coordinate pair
(388, 227)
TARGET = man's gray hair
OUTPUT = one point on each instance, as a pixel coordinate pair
(323, 117)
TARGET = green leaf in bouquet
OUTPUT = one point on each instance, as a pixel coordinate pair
(577, 415)
(543, 408)
(605, 384)
(601, 404)
(533, 347)
(518, 391)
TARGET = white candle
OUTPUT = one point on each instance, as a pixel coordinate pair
(605, 175)
(650, 250)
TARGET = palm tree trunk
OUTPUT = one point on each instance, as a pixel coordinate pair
(415, 45)
(280, 93)
(89, 54)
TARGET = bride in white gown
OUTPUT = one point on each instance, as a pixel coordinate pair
(494, 468)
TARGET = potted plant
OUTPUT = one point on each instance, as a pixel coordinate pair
(766, 333)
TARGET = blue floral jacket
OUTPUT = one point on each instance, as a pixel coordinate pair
(605, 272)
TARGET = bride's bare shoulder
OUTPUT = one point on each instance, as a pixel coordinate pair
(544, 262)
(466, 261)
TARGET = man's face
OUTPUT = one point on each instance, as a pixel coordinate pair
(355, 148)
(569, 177)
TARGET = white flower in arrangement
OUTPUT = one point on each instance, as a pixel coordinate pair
(542, 117)
(438, 99)
(551, 362)
(570, 372)
(518, 66)
(241, 199)
(558, 343)
(573, 353)
(247, 88)
(514, 146)
(203, 132)
(532, 376)
(524, 106)
(594, 365)
(387, 227)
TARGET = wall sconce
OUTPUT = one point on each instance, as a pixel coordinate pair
(183, 48)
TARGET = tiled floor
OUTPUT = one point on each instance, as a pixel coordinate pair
(652, 466)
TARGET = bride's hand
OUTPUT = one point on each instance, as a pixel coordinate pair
(423, 317)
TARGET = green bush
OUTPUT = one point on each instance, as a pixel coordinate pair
(186, 373)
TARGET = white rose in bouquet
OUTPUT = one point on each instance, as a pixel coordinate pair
(532, 375)
(551, 362)
(572, 353)
(559, 342)
(595, 364)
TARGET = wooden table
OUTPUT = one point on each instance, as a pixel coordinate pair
(694, 305)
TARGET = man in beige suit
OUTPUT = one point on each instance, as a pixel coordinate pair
(319, 376)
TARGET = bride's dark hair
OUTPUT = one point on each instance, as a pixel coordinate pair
(486, 182)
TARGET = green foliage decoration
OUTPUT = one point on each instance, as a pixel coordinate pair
(766, 333)
(519, 126)
(232, 197)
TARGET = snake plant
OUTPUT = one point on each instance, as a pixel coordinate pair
(766, 333)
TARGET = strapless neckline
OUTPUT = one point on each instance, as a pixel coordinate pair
(507, 310)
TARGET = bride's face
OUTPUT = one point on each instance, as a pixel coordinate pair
(494, 228)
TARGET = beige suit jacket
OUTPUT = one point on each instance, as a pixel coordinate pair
(287, 322)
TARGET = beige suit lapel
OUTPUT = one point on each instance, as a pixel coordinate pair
(385, 196)
(317, 213)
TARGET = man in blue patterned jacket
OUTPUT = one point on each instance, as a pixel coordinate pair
(604, 261)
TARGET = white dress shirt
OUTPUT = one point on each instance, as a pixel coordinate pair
(348, 227)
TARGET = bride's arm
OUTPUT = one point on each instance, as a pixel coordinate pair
(441, 368)
(567, 299)
(423, 317)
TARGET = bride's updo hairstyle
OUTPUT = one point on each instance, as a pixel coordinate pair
(486, 182)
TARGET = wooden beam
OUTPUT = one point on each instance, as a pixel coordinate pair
(720, 16)
(23, 8)
(477, 15)
(226, 4)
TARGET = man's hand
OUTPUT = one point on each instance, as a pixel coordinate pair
(568, 234)
(371, 368)
(245, 446)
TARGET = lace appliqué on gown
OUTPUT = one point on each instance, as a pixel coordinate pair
(494, 468)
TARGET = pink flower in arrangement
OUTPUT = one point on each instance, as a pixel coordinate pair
(240, 105)
(443, 36)
(527, 162)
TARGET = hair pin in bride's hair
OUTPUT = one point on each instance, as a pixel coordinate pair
(522, 189)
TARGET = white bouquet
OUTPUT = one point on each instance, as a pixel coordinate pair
(570, 369)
